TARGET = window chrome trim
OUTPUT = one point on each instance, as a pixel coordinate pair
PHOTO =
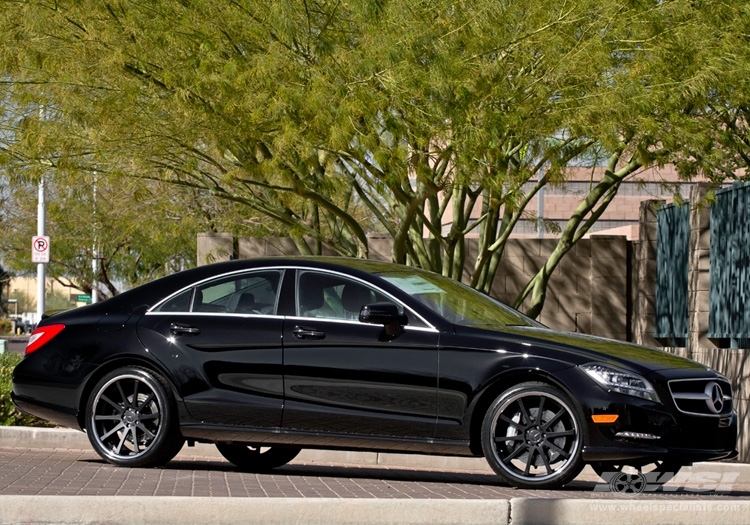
(282, 269)
(222, 314)
(429, 329)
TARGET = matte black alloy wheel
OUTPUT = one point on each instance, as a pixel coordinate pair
(256, 459)
(131, 420)
(531, 436)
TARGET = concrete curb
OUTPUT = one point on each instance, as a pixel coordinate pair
(537, 511)
(324, 511)
(262, 511)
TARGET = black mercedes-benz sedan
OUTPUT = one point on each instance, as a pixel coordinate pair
(265, 357)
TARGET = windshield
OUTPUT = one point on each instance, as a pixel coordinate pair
(456, 302)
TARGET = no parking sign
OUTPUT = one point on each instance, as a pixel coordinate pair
(40, 249)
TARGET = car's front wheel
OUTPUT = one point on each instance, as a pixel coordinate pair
(131, 419)
(531, 437)
(256, 459)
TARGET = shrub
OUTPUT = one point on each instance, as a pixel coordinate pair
(5, 326)
(9, 416)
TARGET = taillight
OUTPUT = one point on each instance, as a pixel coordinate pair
(42, 335)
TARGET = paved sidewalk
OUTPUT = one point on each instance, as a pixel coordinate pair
(53, 476)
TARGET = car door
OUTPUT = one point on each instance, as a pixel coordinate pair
(223, 339)
(343, 376)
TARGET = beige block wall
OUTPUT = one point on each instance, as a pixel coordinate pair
(594, 273)
(588, 293)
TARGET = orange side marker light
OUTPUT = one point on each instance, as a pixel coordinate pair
(604, 418)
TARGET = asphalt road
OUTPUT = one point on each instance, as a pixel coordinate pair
(16, 343)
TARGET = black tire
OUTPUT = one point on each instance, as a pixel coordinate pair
(131, 419)
(532, 437)
(647, 477)
(256, 459)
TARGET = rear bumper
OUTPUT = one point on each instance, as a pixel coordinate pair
(59, 415)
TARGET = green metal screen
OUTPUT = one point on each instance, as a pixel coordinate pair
(672, 258)
(729, 319)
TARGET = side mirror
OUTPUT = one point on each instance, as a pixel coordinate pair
(385, 314)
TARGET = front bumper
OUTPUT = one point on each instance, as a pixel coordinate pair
(646, 431)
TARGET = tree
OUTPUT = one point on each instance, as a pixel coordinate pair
(4, 291)
(430, 121)
(135, 231)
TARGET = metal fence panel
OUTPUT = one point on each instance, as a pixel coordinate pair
(729, 319)
(672, 258)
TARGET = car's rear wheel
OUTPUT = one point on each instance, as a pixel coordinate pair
(256, 459)
(531, 437)
(131, 419)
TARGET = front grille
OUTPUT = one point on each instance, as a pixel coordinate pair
(702, 397)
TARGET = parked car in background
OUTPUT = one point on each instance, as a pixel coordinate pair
(266, 357)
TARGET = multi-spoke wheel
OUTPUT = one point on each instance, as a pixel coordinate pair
(256, 459)
(131, 420)
(531, 436)
(638, 477)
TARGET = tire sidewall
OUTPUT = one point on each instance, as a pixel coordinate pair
(568, 472)
(165, 445)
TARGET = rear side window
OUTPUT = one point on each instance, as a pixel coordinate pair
(246, 293)
(178, 303)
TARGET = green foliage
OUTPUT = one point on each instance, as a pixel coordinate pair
(426, 121)
(5, 326)
(55, 300)
(138, 231)
(9, 415)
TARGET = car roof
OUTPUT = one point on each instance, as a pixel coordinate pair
(149, 293)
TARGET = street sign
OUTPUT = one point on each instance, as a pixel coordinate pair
(40, 249)
(83, 298)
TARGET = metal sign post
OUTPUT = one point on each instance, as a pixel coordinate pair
(40, 246)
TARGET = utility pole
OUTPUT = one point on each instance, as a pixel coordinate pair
(95, 258)
(540, 213)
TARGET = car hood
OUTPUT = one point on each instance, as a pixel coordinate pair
(580, 349)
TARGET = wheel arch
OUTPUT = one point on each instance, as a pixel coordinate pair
(499, 385)
(114, 364)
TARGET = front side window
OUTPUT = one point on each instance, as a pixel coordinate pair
(331, 296)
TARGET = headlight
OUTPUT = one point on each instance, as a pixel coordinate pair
(621, 381)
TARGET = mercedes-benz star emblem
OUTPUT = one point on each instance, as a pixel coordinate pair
(714, 397)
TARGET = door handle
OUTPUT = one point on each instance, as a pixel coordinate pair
(178, 328)
(307, 333)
